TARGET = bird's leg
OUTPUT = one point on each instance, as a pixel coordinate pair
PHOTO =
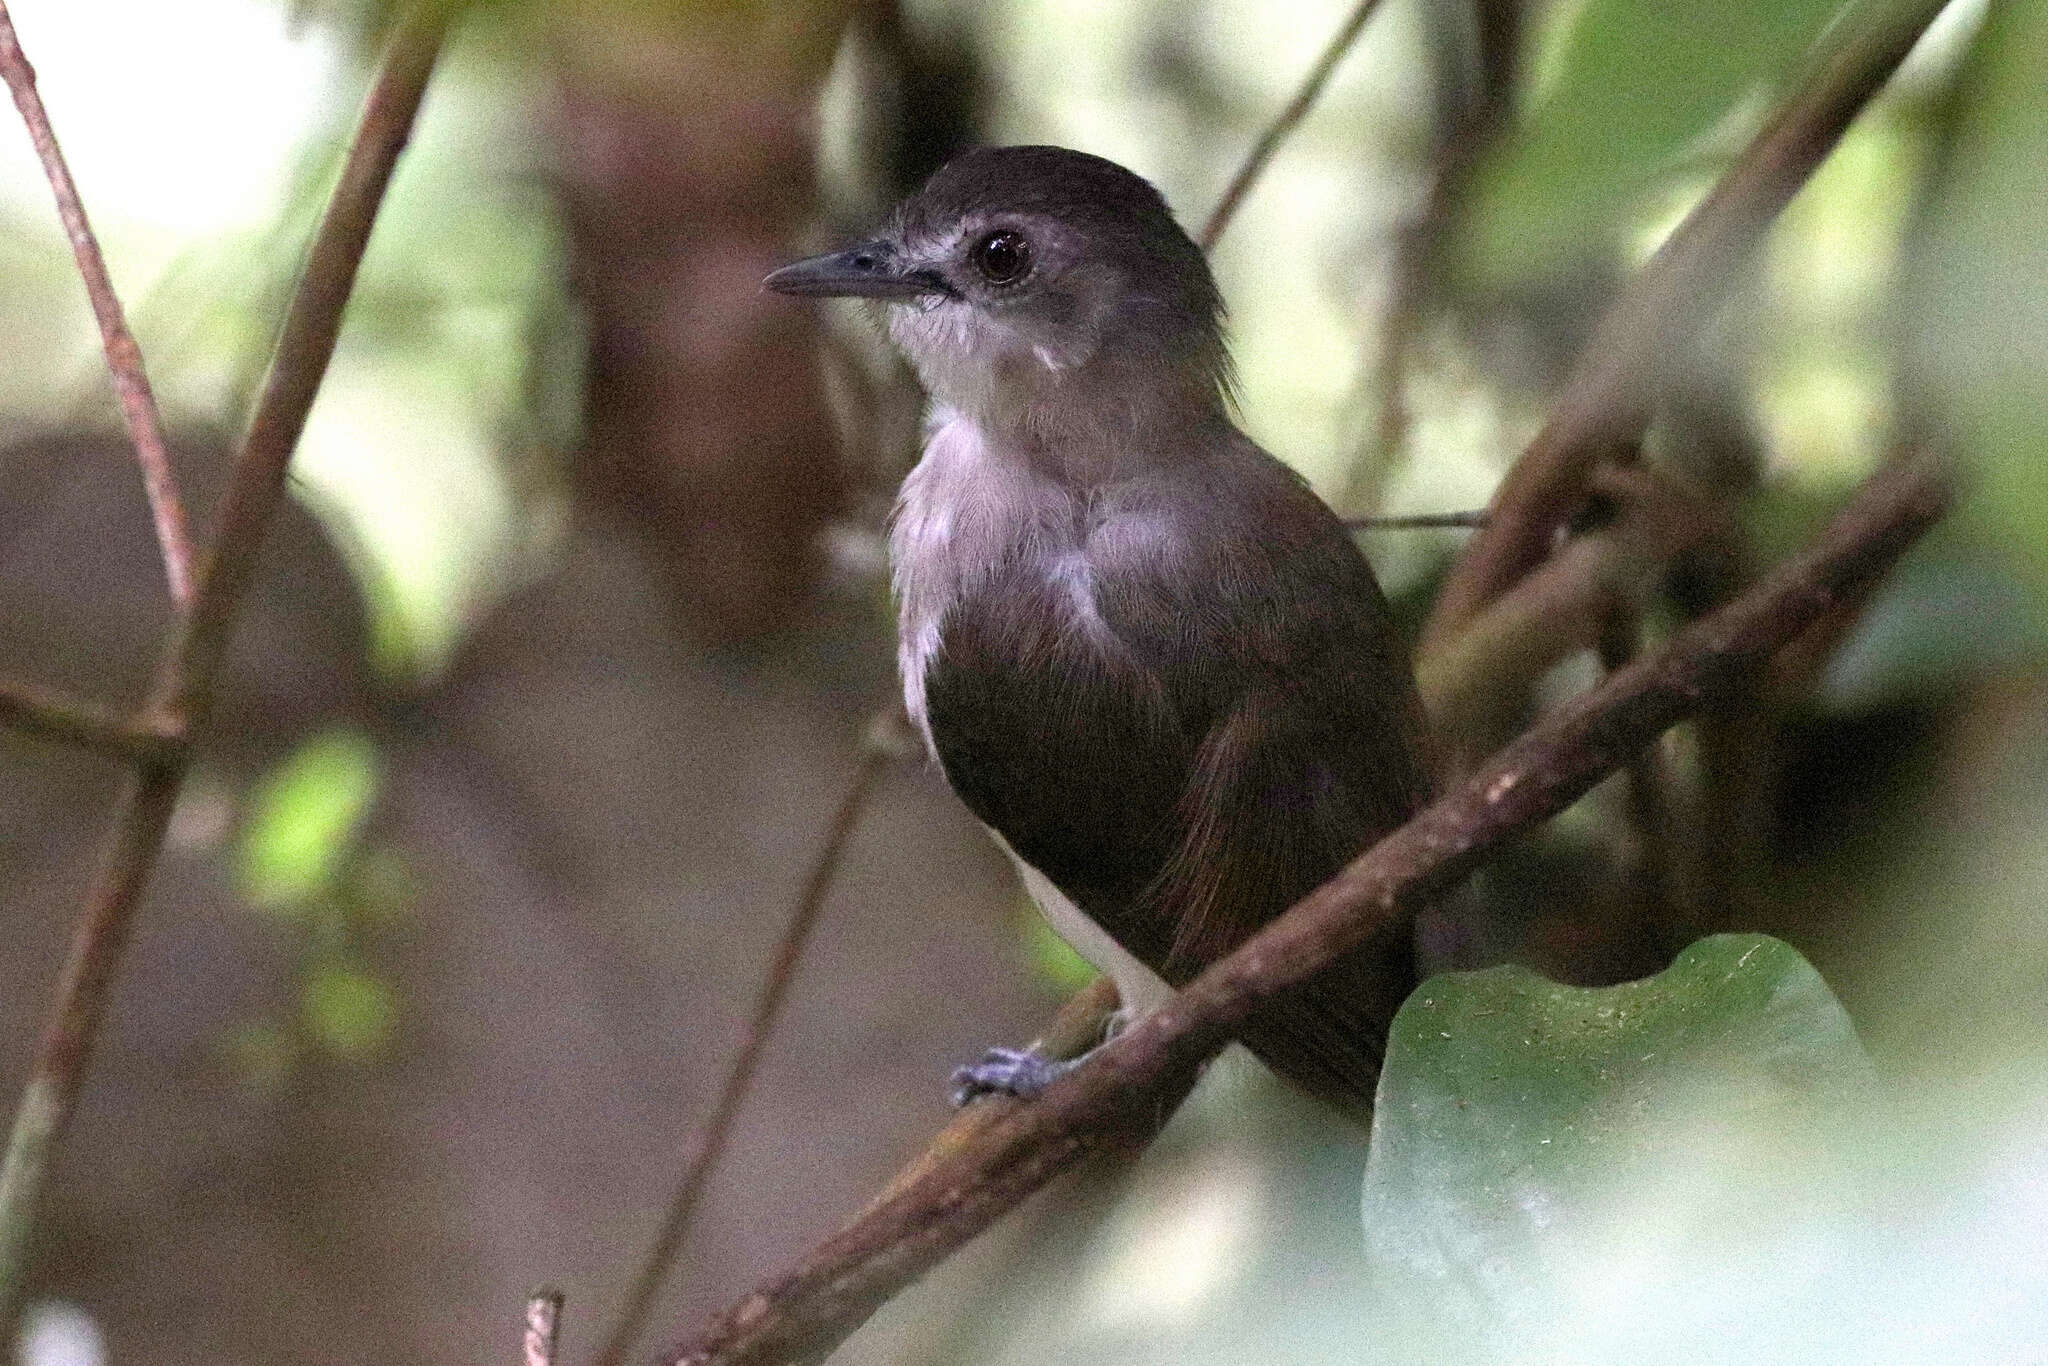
(1024, 1072)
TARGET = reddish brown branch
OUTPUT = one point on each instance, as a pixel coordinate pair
(184, 682)
(305, 342)
(124, 357)
(1127, 1088)
(88, 725)
(1285, 122)
(1606, 400)
(884, 743)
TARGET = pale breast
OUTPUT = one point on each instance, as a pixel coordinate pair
(965, 510)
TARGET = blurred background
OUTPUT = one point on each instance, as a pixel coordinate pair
(564, 648)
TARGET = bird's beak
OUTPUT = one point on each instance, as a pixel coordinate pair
(871, 270)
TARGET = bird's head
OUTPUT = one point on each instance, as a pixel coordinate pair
(1029, 282)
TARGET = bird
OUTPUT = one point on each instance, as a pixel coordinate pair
(1141, 649)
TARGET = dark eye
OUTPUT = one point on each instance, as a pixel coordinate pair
(1002, 257)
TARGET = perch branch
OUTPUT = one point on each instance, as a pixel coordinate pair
(124, 357)
(1126, 1088)
(184, 682)
(1079, 1026)
(1285, 122)
(884, 743)
(1606, 400)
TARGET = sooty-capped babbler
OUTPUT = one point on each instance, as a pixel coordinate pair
(1145, 654)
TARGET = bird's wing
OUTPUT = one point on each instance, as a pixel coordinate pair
(1235, 722)
(1312, 747)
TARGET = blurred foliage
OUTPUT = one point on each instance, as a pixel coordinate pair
(1052, 959)
(434, 451)
(348, 1011)
(1977, 342)
(304, 818)
(1632, 91)
(304, 855)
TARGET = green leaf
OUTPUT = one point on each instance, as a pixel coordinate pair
(348, 1012)
(1522, 1127)
(303, 818)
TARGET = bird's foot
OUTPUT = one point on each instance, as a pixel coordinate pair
(1019, 1072)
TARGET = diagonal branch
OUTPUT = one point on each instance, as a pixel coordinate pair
(884, 743)
(305, 344)
(1285, 122)
(124, 357)
(1606, 401)
(1122, 1094)
(184, 684)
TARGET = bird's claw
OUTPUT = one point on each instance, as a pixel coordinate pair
(1006, 1072)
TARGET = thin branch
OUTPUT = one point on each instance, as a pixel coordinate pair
(88, 725)
(184, 683)
(1474, 96)
(1418, 521)
(542, 1339)
(1124, 1090)
(884, 744)
(1476, 686)
(1285, 122)
(1605, 402)
(124, 357)
(305, 342)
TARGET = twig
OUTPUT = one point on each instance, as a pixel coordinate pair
(1418, 521)
(1285, 122)
(1474, 93)
(184, 684)
(1475, 686)
(124, 357)
(883, 745)
(543, 1327)
(305, 342)
(89, 725)
(800, 1316)
(1606, 400)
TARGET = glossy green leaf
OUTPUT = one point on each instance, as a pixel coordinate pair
(1523, 1129)
(303, 818)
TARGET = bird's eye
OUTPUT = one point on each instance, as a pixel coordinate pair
(1002, 257)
